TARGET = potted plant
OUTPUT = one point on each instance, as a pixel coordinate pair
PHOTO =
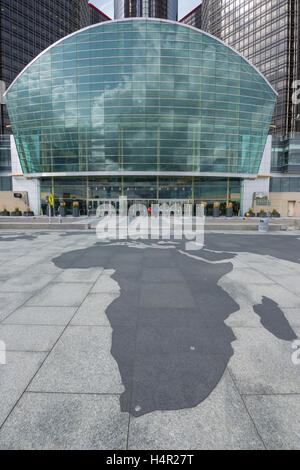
(16, 212)
(75, 209)
(4, 212)
(28, 212)
(250, 213)
(216, 209)
(275, 213)
(204, 204)
(62, 209)
(262, 213)
(229, 209)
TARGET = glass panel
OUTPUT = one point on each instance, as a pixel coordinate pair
(141, 96)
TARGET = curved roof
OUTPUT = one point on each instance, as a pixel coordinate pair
(142, 95)
(106, 23)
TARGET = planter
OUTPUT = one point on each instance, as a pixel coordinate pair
(62, 211)
(4, 214)
(262, 216)
(276, 216)
(216, 212)
(28, 214)
(16, 214)
(229, 211)
(75, 211)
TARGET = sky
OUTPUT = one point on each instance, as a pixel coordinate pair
(107, 6)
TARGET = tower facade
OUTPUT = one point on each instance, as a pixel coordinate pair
(28, 28)
(194, 17)
(166, 9)
(267, 34)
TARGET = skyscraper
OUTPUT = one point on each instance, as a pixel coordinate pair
(27, 28)
(194, 17)
(267, 34)
(167, 9)
(96, 15)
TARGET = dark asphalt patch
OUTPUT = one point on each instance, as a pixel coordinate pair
(273, 319)
(169, 336)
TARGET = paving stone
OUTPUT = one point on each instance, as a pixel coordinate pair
(293, 316)
(26, 282)
(276, 418)
(105, 284)
(171, 295)
(9, 302)
(262, 363)
(79, 275)
(15, 376)
(80, 362)
(219, 422)
(93, 310)
(29, 337)
(41, 316)
(162, 275)
(61, 295)
(62, 421)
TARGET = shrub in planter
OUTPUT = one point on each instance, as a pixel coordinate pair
(216, 209)
(250, 213)
(16, 212)
(28, 212)
(262, 213)
(229, 209)
(75, 209)
(4, 212)
(275, 213)
(62, 209)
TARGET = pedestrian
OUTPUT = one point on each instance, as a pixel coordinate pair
(149, 211)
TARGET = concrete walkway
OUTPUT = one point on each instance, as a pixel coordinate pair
(142, 345)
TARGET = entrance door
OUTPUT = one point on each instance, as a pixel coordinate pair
(291, 208)
(93, 204)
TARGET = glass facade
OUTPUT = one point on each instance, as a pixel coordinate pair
(28, 27)
(286, 153)
(285, 184)
(267, 33)
(89, 191)
(140, 95)
(5, 153)
(167, 9)
(5, 163)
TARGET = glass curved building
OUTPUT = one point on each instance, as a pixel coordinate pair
(146, 108)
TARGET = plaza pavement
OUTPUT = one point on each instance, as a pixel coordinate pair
(141, 346)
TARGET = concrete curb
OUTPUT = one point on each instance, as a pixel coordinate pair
(37, 226)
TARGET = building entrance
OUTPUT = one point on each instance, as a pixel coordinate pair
(107, 204)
